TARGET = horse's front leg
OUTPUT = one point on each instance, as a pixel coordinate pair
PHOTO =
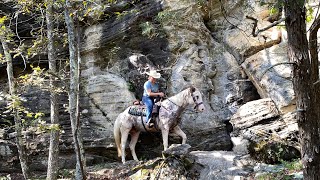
(165, 134)
(133, 142)
(179, 132)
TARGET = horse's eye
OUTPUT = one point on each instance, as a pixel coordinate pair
(197, 97)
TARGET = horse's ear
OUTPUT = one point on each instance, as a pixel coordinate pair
(192, 89)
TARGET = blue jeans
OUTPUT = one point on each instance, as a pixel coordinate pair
(149, 104)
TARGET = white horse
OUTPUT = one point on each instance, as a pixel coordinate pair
(167, 121)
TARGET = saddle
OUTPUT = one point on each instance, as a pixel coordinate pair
(139, 109)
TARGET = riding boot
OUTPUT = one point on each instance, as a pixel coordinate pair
(150, 123)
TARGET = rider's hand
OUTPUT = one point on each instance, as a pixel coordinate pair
(161, 94)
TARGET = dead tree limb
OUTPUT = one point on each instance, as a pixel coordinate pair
(269, 68)
(255, 49)
(256, 31)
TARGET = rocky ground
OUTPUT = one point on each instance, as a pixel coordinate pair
(219, 165)
(178, 163)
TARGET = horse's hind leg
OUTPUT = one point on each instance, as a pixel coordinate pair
(133, 142)
(124, 137)
(179, 132)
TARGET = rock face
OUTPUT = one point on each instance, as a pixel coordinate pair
(272, 75)
(182, 53)
(262, 56)
(106, 95)
(189, 44)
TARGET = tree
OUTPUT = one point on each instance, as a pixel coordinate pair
(305, 84)
(15, 102)
(74, 94)
(53, 167)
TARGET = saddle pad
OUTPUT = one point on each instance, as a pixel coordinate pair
(137, 110)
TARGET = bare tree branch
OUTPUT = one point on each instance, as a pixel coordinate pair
(269, 68)
(255, 49)
(256, 31)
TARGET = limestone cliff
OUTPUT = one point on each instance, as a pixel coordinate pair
(206, 44)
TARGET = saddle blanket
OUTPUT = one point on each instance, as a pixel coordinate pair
(137, 110)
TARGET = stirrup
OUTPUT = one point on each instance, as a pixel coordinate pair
(150, 125)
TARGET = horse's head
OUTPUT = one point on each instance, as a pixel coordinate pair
(196, 99)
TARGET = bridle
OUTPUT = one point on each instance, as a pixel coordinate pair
(195, 101)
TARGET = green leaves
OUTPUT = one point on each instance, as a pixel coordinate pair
(3, 19)
(4, 31)
(148, 29)
(273, 10)
(2, 59)
(309, 14)
(165, 16)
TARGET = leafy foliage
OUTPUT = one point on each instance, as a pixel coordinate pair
(295, 165)
(309, 15)
(285, 172)
(166, 16)
(4, 31)
(148, 29)
(272, 151)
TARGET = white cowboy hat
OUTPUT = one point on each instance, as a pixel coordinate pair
(154, 74)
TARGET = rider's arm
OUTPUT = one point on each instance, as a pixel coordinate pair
(147, 87)
(154, 94)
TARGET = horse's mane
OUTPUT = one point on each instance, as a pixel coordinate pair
(189, 87)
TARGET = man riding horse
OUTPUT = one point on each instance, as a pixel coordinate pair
(168, 120)
(151, 91)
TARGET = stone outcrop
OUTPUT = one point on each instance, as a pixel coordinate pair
(263, 57)
(254, 112)
(219, 165)
(260, 130)
(206, 47)
(183, 55)
(271, 75)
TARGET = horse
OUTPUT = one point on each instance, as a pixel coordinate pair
(169, 117)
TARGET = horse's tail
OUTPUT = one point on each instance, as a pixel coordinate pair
(117, 134)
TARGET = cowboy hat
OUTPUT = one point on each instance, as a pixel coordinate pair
(154, 74)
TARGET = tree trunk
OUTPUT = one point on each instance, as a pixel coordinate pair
(78, 94)
(53, 166)
(303, 86)
(17, 120)
(313, 46)
(73, 94)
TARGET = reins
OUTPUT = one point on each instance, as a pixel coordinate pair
(194, 100)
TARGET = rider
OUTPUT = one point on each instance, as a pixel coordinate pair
(151, 90)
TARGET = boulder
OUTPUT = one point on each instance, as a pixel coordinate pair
(283, 128)
(219, 165)
(265, 134)
(271, 75)
(240, 145)
(177, 150)
(253, 113)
